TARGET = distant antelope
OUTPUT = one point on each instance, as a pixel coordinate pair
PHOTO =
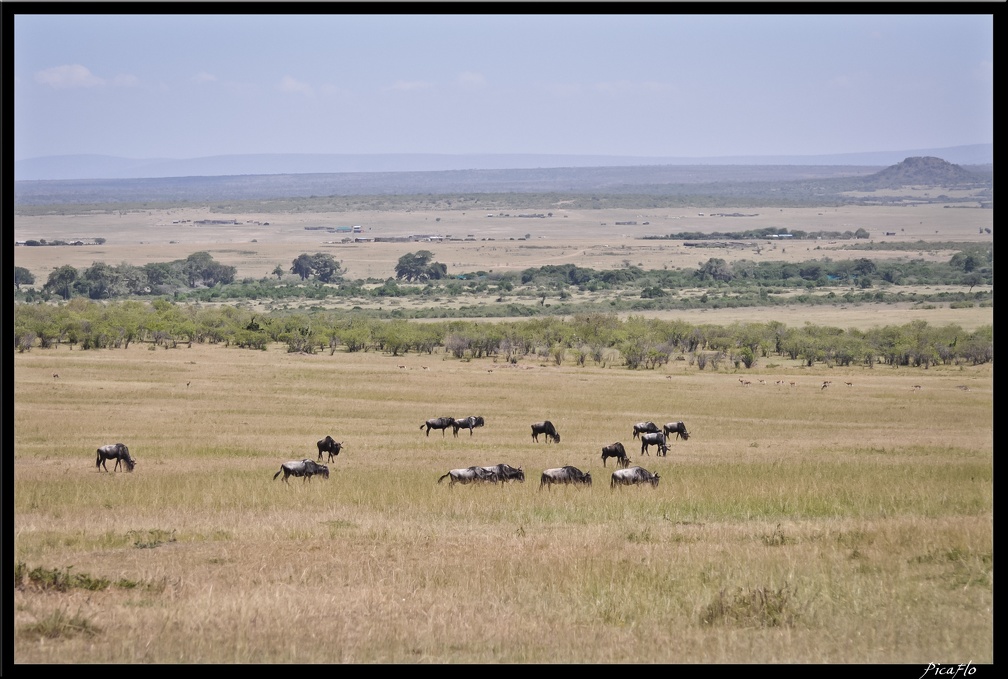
(824, 385)
(793, 384)
(187, 383)
(849, 384)
(762, 381)
(916, 387)
(55, 376)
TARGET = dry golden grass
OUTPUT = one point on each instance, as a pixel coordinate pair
(852, 524)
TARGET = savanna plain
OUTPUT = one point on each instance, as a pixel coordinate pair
(851, 523)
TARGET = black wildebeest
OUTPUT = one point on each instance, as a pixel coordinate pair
(441, 423)
(304, 468)
(644, 428)
(469, 423)
(546, 428)
(329, 445)
(615, 450)
(632, 476)
(653, 439)
(118, 452)
(677, 428)
(468, 475)
(564, 475)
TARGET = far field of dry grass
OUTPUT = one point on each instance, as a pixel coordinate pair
(586, 238)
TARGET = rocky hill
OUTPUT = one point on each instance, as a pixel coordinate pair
(922, 171)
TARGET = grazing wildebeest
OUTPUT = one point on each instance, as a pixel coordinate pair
(677, 428)
(329, 445)
(441, 423)
(469, 423)
(653, 439)
(505, 472)
(615, 450)
(118, 452)
(632, 476)
(304, 468)
(468, 475)
(546, 428)
(564, 475)
(644, 428)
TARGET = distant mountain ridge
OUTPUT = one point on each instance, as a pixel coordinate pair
(706, 184)
(86, 167)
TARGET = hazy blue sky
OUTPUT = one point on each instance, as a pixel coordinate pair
(186, 86)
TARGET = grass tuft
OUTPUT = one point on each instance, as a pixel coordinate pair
(759, 607)
(60, 625)
(55, 579)
(776, 539)
(153, 538)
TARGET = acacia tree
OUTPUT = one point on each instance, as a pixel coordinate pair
(302, 266)
(716, 269)
(411, 266)
(417, 266)
(23, 276)
(61, 281)
(325, 267)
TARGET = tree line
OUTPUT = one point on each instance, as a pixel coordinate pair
(199, 278)
(105, 281)
(603, 339)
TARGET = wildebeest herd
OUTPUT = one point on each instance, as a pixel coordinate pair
(648, 433)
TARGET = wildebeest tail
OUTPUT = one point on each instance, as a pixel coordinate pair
(278, 473)
(444, 477)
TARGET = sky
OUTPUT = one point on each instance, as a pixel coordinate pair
(652, 85)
